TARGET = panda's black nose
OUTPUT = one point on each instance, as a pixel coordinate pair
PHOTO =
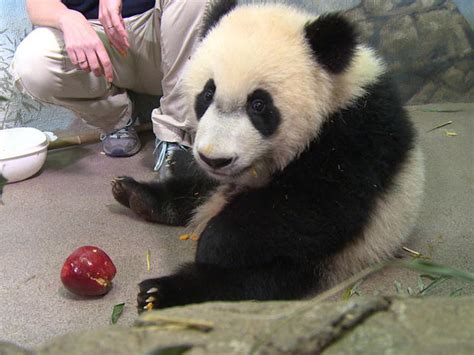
(218, 163)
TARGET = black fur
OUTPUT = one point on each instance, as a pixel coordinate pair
(268, 119)
(169, 202)
(204, 98)
(214, 12)
(333, 40)
(273, 242)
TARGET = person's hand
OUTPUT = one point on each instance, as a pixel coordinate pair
(110, 16)
(83, 45)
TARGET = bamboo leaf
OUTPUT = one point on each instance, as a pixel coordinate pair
(456, 292)
(3, 182)
(428, 267)
(432, 285)
(352, 290)
(398, 286)
(170, 350)
(421, 284)
(440, 126)
(117, 312)
(439, 110)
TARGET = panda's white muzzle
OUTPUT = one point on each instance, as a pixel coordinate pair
(226, 144)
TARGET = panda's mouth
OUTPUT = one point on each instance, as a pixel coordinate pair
(228, 175)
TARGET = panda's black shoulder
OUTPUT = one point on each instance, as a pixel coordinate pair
(371, 137)
(354, 161)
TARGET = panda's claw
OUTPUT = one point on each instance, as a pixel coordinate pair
(148, 298)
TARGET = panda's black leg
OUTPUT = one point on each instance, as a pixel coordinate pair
(170, 202)
(123, 188)
(138, 197)
(196, 283)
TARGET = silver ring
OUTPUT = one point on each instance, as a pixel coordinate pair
(109, 27)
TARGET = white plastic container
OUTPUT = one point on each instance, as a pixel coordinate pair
(23, 151)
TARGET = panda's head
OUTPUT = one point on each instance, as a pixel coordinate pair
(262, 82)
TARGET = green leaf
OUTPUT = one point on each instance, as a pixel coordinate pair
(421, 284)
(456, 292)
(440, 110)
(346, 294)
(117, 312)
(352, 290)
(433, 285)
(170, 350)
(398, 286)
(431, 268)
(3, 182)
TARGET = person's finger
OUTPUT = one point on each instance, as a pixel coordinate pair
(118, 32)
(126, 33)
(72, 56)
(105, 63)
(116, 40)
(94, 63)
(82, 61)
(109, 29)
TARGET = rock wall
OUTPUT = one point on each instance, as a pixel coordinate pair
(428, 45)
(358, 326)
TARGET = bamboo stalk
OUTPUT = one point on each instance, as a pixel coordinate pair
(88, 138)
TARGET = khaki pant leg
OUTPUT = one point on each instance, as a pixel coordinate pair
(177, 24)
(42, 69)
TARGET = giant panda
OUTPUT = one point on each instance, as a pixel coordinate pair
(307, 166)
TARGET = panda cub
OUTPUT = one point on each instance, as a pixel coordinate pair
(311, 166)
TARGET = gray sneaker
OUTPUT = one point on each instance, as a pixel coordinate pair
(123, 142)
(171, 159)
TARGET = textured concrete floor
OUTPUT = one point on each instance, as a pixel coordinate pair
(69, 205)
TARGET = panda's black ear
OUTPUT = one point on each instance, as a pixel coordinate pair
(333, 40)
(215, 10)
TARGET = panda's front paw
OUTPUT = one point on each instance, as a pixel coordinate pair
(157, 293)
(148, 296)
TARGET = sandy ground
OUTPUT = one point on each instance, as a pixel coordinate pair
(69, 204)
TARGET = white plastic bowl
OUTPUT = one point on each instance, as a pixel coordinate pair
(22, 152)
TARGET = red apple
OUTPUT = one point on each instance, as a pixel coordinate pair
(88, 271)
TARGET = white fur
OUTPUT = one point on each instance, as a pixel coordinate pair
(364, 70)
(390, 225)
(209, 209)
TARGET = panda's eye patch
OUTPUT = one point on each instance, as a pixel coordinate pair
(262, 112)
(258, 106)
(204, 98)
(209, 94)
